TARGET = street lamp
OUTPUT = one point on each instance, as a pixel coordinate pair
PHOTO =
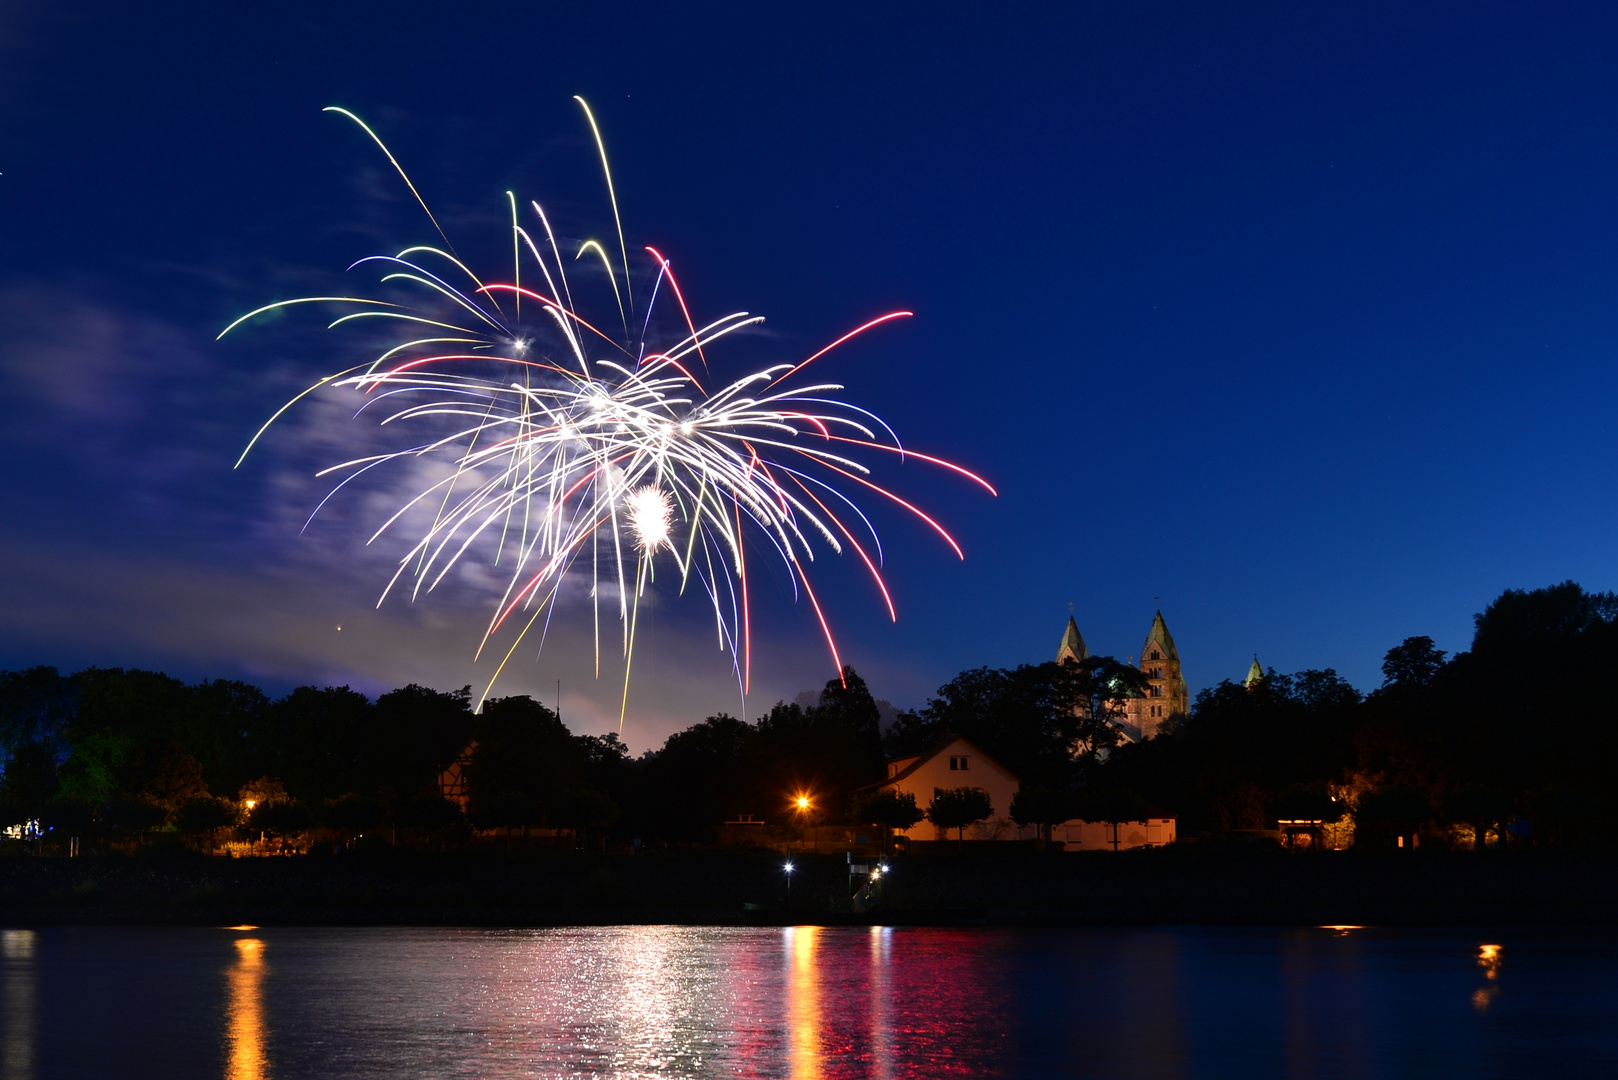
(788, 870)
(802, 804)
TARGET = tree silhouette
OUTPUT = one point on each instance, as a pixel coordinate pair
(888, 808)
(956, 808)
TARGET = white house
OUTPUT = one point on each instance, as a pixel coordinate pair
(955, 763)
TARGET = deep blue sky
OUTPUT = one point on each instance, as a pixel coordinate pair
(1297, 317)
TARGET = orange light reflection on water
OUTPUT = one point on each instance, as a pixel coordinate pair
(244, 1032)
(803, 1002)
(1489, 961)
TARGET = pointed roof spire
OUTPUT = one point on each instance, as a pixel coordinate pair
(1254, 673)
(1072, 643)
(1160, 634)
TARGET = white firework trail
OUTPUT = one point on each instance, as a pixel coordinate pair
(575, 448)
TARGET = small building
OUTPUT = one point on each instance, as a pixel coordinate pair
(452, 781)
(1103, 836)
(744, 831)
(955, 763)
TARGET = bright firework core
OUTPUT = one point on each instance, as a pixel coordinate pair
(562, 429)
(651, 515)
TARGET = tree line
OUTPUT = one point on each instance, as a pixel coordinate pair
(1513, 739)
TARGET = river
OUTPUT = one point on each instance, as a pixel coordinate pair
(805, 1002)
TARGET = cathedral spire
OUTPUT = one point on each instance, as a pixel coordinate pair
(1159, 634)
(1072, 646)
(1254, 673)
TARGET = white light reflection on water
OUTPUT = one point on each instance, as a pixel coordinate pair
(829, 1003)
(17, 1044)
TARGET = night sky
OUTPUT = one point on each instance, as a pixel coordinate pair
(1295, 320)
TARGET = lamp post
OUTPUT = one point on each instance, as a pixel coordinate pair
(802, 804)
(788, 871)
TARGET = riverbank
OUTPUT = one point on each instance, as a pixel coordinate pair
(1016, 887)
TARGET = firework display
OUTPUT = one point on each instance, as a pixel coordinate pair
(583, 453)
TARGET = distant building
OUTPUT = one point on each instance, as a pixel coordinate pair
(1100, 836)
(1254, 673)
(1166, 691)
(955, 763)
(452, 781)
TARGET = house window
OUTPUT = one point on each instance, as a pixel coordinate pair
(957, 764)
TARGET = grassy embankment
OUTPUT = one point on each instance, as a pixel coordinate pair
(1009, 887)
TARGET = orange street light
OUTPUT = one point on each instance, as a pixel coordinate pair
(802, 802)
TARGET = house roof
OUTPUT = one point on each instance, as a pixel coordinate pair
(1072, 643)
(1160, 634)
(948, 742)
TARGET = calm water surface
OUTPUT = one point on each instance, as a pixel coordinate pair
(249, 1004)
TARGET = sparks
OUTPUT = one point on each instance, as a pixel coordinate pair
(651, 516)
(570, 450)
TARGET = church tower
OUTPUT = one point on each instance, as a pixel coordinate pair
(1072, 647)
(1254, 673)
(1166, 692)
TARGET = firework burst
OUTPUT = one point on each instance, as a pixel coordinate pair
(572, 447)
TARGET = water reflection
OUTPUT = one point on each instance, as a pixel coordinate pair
(829, 1003)
(244, 1014)
(879, 1015)
(803, 1002)
(17, 947)
(1489, 961)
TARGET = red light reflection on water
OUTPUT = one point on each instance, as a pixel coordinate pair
(875, 1003)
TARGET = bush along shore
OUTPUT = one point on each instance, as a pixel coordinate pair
(1009, 884)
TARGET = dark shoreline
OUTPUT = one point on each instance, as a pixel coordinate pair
(1169, 887)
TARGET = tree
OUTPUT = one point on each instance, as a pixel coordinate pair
(30, 781)
(1041, 806)
(830, 748)
(609, 769)
(223, 728)
(427, 812)
(134, 815)
(1563, 814)
(1044, 722)
(1102, 688)
(1391, 812)
(321, 742)
(703, 776)
(524, 759)
(956, 808)
(206, 814)
(266, 789)
(1113, 806)
(1479, 807)
(582, 809)
(35, 707)
(162, 771)
(1414, 663)
(1307, 802)
(280, 819)
(350, 814)
(413, 735)
(888, 808)
(69, 816)
(117, 711)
